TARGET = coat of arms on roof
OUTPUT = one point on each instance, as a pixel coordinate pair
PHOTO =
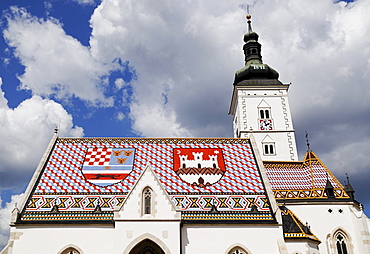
(199, 166)
(106, 166)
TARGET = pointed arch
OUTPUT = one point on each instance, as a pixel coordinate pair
(146, 246)
(70, 249)
(238, 249)
(339, 242)
(141, 241)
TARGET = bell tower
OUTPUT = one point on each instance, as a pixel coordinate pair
(260, 106)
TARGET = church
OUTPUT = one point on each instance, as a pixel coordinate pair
(249, 194)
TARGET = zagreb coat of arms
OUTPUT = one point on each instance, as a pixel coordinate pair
(199, 166)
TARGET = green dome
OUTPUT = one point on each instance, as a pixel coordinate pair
(254, 67)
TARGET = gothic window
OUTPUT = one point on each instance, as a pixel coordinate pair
(341, 244)
(147, 201)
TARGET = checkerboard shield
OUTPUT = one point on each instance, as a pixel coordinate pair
(106, 166)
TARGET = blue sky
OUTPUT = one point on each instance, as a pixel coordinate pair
(142, 68)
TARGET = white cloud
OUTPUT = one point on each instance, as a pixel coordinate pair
(5, 216)
(3, 101)
(185, 55)
(178, 51)
(85, 2)
(120, 116)
(55, 63)
(25, 132)
(120, 83)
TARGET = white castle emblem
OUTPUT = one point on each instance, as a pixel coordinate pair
(198, 161)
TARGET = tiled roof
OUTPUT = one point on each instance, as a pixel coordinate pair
(293, 227)
(81, 174)
(302, 179)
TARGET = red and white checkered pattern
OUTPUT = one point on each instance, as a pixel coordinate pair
(98, 157)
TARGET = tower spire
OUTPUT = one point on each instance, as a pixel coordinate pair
(259, 103)
(249, 23)
(254, 68)
(252, 48)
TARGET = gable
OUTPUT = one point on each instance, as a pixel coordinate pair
(161, 205)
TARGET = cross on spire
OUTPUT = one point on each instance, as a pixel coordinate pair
(307, 143)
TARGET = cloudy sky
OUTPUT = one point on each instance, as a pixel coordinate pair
(166, 68)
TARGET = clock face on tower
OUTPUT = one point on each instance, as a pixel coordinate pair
(266, 124)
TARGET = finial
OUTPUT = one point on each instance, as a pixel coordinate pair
(56, 130)
(307, 143)
(249, 22)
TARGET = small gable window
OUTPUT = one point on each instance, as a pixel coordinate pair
(268, 146)
(264, 110)
(264, 113)
(268, 149)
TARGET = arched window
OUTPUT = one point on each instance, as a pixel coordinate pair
(147, 198)
(341, 244)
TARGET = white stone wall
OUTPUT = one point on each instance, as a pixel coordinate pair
(222, 238)
(326, 219)
(54, 239)
(302, 247)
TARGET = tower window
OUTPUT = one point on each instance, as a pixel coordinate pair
(268, 149)
(264, 113)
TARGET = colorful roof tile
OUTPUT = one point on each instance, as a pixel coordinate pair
(82, 174)
(302, 179)
(293, 227)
